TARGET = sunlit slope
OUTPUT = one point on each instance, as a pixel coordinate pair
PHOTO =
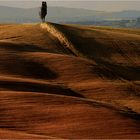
(63, 117)
(67, 81)
(28, 38)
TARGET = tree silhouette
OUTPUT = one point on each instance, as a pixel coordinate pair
(43, 11)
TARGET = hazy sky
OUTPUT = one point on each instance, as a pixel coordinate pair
(100, 5)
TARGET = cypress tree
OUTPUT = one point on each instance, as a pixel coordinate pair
(43, 11)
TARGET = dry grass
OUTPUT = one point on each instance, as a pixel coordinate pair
(68, 81)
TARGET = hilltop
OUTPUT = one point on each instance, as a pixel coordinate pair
(69, 81)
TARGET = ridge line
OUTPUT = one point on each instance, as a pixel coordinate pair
(60, 36)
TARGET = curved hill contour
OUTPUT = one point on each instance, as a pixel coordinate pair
(68, 81)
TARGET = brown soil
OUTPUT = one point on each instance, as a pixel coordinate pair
(69, 82)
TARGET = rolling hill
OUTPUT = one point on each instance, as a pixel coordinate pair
(69, 82)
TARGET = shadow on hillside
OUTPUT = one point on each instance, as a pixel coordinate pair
(36, 87)
(86, 42)
(90, 47)
(116, 71)
(16, 65)
(97, 46)
(22, 47)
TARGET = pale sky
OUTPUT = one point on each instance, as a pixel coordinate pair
(100, 5)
